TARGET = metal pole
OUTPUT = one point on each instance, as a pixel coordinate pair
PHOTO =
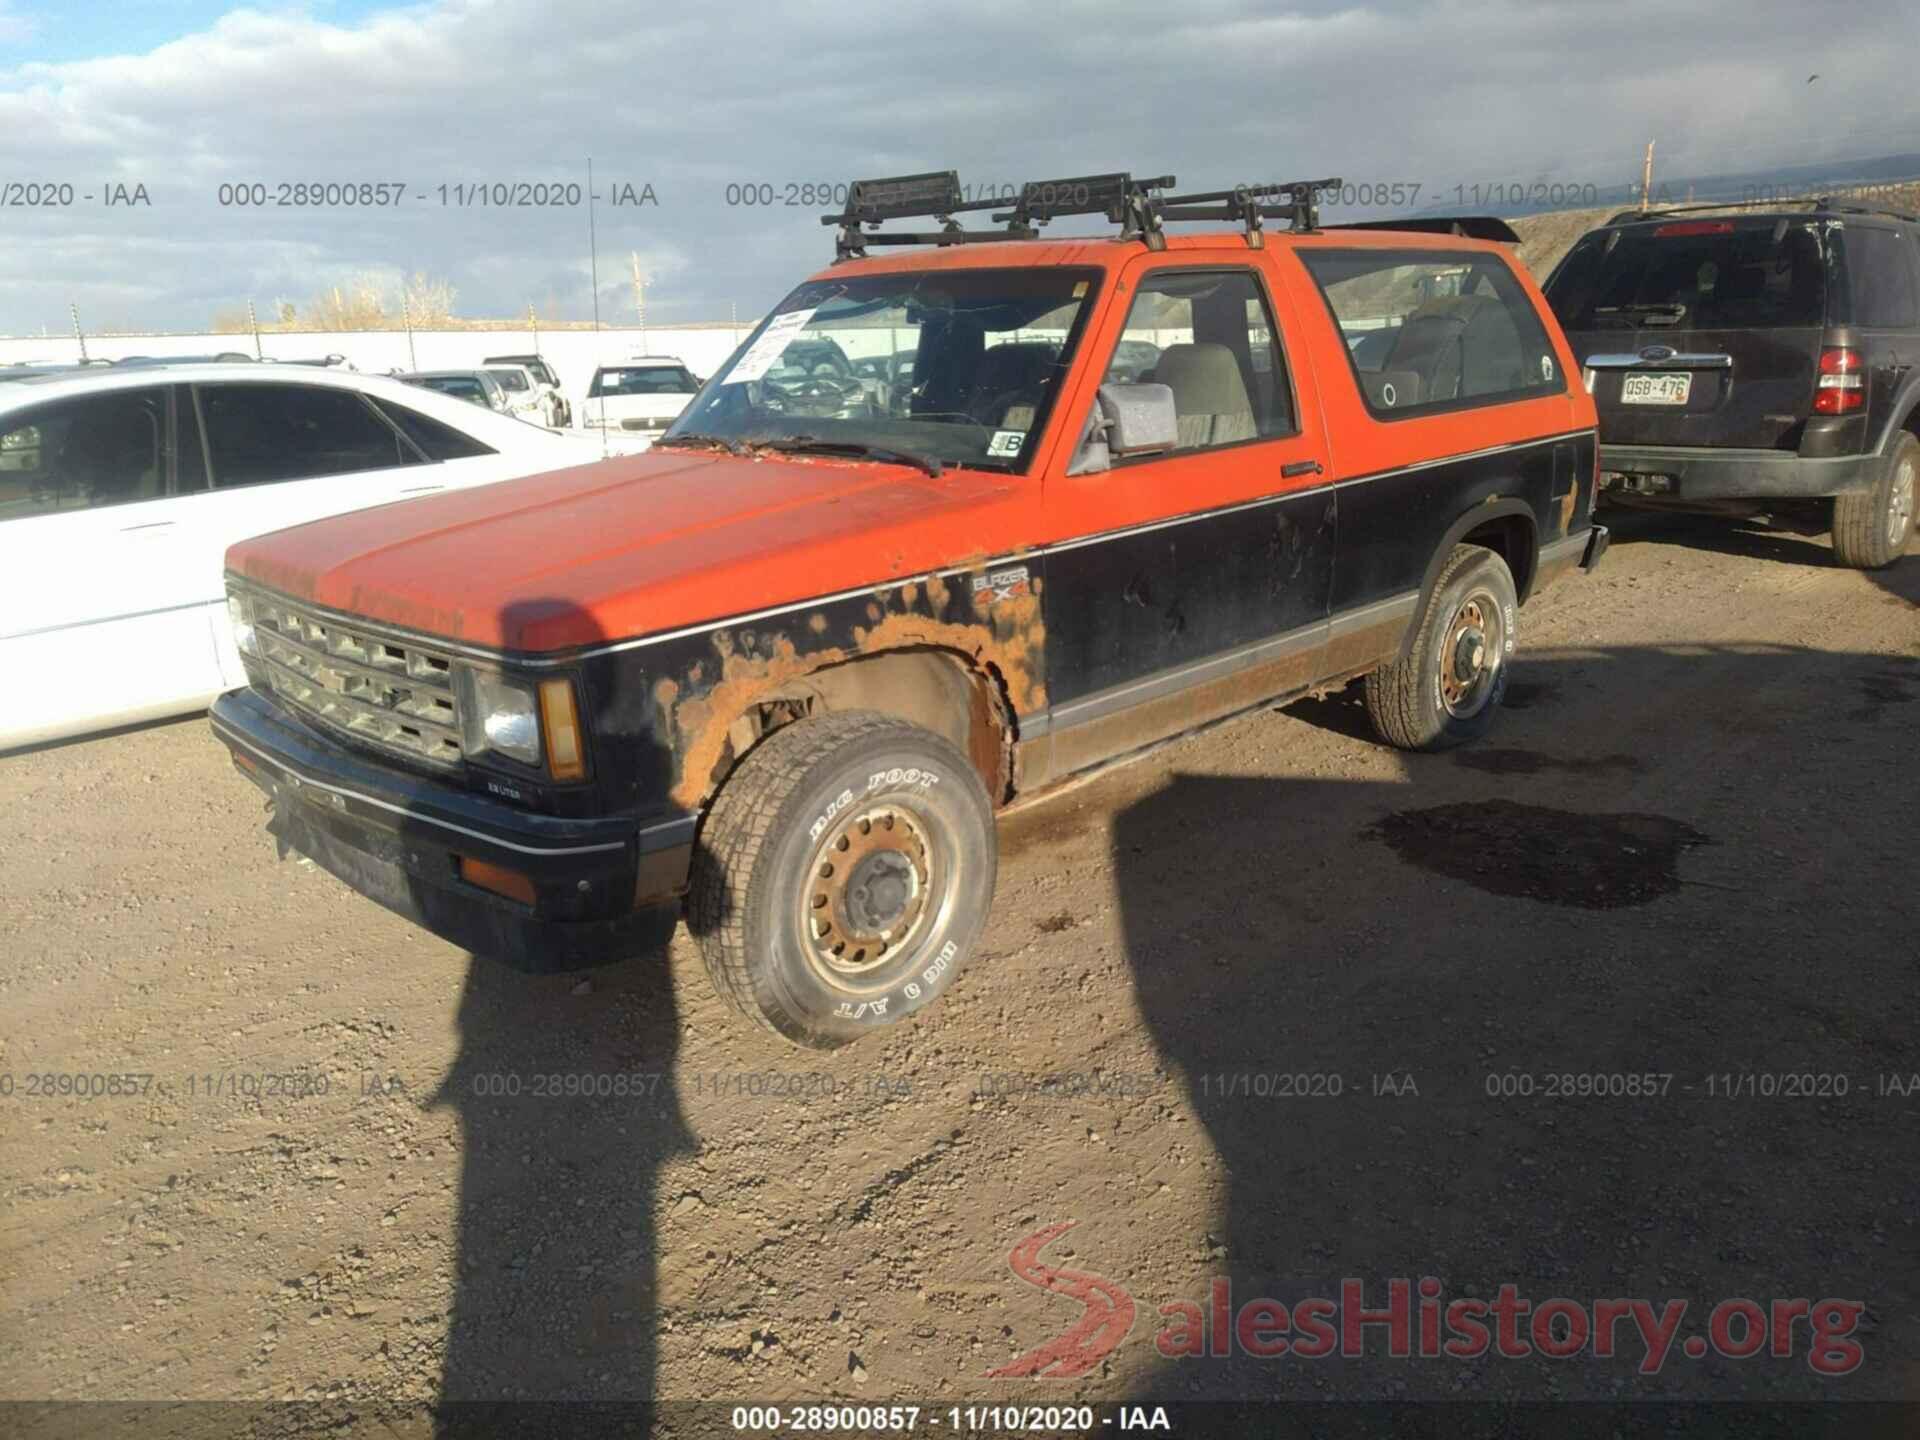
(253, 323)
(1646, 178)
(74, 310)
(593, 266)
(406, 315)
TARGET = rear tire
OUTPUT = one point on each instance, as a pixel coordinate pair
(842, 876)
(1446, 690)
(1871, 527)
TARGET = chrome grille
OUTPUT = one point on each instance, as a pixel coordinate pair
(391, 694)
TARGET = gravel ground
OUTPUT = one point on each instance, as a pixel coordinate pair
(1687, 851)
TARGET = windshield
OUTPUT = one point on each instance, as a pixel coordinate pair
(1694, 275)
(512, 379)
(986, 350)
(645, 380)
(458, 388)
(536, 368)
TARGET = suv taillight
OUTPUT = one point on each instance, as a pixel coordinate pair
(1841, 387)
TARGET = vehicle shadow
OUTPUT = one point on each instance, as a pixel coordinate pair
(1664, 873)
(1793, 534)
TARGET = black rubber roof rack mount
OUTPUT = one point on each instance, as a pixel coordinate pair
(933, 195)
(1125, 201)
(1246, 204)
(937, 195)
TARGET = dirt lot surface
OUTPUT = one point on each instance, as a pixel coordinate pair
(1688, 851)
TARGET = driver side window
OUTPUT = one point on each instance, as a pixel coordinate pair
(1209, 337)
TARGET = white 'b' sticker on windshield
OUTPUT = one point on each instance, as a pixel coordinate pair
(771, 345)
(1006, 442)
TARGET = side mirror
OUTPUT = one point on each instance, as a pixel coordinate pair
(1127, 420)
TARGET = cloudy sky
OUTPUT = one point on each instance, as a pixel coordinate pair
(185, 96)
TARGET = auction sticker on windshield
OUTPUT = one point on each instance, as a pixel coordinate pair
(1006, 442)
(771, 345)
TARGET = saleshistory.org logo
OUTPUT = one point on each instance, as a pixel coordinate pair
(1418, 1320)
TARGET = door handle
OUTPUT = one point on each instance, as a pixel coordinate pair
(1300, 467)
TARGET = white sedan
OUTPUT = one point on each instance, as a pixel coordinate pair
(631, 405)
(121, 489)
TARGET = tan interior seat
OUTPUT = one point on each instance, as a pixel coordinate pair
(1209, 395)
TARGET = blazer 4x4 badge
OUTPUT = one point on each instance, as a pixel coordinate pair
(997, 585)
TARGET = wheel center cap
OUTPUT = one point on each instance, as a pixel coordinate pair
(879, 891)
(1472, 652)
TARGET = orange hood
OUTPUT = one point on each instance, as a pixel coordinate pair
(633, 546)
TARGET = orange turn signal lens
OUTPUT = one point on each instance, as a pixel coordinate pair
(497, 878)
(566, 756)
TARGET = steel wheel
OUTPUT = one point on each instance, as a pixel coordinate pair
(873, 882)
(1471, 655)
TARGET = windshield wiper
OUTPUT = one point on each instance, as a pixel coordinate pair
(815, 445)
(711, 442)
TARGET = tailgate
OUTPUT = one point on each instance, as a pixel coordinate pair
(1750, 389)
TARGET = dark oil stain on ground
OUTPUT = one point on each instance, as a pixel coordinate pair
(1532, 762)
(1880, 691)
(1561, 857)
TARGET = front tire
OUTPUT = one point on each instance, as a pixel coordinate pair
(1871, 527)
(842, 877)
(1446, 690)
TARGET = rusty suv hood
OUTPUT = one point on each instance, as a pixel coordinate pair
(633, 546)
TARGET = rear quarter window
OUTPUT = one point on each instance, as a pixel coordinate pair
(1430, 331)
(1880, 275)
(437, 441)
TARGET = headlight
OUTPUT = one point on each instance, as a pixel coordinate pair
(243, 636)
(503, 716)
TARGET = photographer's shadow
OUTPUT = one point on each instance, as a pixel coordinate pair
(564, 1085)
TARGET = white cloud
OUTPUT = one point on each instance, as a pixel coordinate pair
(464, 91)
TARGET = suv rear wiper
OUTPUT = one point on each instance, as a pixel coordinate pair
(815, 445)
(1672, 312)
(714, 442)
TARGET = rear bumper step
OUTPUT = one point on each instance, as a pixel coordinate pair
(1682, 472)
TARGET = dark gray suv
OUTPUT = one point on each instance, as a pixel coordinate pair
(1741, 358)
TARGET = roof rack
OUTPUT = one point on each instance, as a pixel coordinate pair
(1136, 206)
(1301, 209)
(1761, 207)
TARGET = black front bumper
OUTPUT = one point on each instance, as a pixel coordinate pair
(1693, 472)
(602, 887)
